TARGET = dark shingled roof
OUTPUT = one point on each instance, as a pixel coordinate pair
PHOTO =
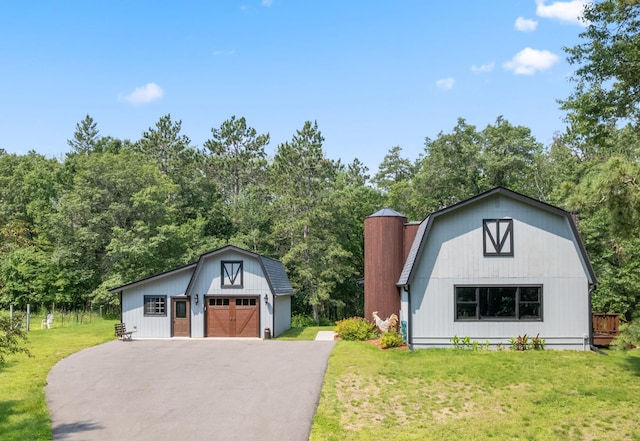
(425, 227)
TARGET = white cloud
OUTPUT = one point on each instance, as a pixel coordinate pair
(144, 94)
(224, 53)
(446, 83)
(267, 3)
(483, 68)
(568, 12)
(528, 61)
(525, 25)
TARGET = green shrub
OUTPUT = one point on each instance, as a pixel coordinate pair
(467, 343)
(305, 321)
(628, 337)
(524, 343)
(391, 339)
(12, 336)
(302, 321)
(355, 328)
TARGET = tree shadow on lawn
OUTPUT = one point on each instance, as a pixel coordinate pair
(24, 424)
(633, 361)
(292, 332)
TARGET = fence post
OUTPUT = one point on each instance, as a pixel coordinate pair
(11, 315)
(28, 317)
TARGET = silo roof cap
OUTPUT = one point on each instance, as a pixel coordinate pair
(387, 212)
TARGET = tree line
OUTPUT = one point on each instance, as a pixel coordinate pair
(114, 211)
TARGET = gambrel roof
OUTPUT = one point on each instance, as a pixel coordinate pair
(273, 270)
(425, 227)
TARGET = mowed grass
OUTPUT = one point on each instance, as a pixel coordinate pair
(23, 410)
(446, 394)
(300, 333)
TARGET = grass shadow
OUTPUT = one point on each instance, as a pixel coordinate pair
(633, 361)
(17, 423)
(292, 332)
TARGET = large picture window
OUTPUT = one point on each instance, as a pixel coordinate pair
(498, 302)
(155, 305)
(231, 274)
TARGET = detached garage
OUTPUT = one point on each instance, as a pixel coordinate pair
(229, 292)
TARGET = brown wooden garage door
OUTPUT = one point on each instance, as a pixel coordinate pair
(232, 317)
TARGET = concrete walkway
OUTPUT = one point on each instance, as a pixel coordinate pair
(188, 390)
(325, 335)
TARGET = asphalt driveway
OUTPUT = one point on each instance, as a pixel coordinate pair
(188, 390)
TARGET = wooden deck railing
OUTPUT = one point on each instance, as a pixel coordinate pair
(605, 328)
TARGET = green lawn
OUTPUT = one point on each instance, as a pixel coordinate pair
(300, 333)
(23, 410)
(370, 394)
(437, 394)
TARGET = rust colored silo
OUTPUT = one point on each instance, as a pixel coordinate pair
(383, 261)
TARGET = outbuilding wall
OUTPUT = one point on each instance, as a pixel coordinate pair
(171, 285)
(283, 315)
(208, 283)
(545, 253)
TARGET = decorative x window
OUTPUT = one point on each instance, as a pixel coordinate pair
(232, 273)
(497, 237)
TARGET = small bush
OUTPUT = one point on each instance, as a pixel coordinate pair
(391, 339)
(355, 328)
(467, 343)
(12, 336)
(524, 343)
(628, 337)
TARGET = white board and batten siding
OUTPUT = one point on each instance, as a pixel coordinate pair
(203, 281)
(546, 253)
(283, 317)
(170, 285)
(208, 283)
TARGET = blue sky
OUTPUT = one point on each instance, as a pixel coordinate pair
(373, 74)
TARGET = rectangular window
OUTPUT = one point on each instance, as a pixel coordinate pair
(231, 274)
(155, 305)
(497, 237)
(498, 302)
(181, 309)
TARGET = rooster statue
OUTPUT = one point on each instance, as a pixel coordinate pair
(385, 325)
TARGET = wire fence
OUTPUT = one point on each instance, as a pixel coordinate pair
(43, 318)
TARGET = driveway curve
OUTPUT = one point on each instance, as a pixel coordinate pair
(188, 390)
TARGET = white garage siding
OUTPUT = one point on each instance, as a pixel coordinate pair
(546, 253)
(169, 285)
(201, 281)
(283, 315)
(208, 283)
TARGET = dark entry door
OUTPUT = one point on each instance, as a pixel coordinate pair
(180, 315)
(232, 317)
